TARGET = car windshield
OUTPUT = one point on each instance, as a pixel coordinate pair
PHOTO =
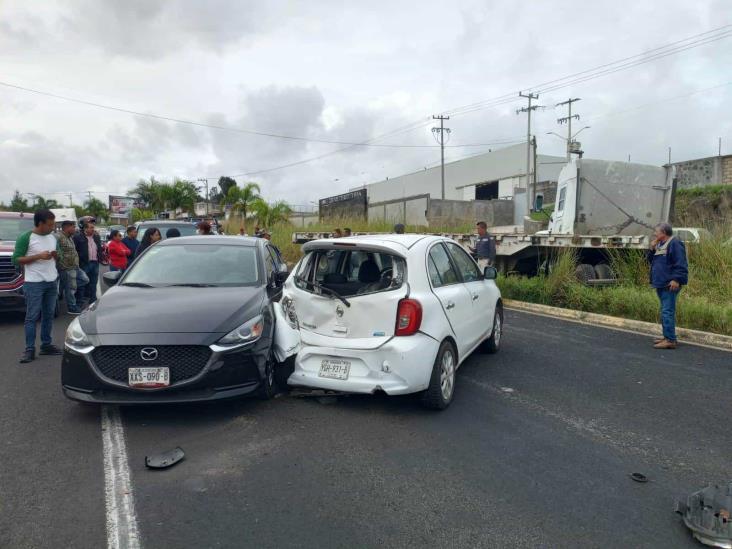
(12, 228)
(185, 229)
(350, 272)
(195, 265)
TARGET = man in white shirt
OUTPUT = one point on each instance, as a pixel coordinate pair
(36, 251)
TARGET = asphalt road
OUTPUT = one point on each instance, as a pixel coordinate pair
(535, 451)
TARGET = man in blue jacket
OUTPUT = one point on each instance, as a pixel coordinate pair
(669, 271)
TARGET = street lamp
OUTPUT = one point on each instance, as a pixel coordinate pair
(585, 128)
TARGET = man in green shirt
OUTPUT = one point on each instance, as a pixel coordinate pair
(72, 277)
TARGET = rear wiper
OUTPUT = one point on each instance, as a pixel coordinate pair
(322, 288)
(194, 285)
(137, 284)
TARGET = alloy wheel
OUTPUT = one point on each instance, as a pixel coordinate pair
(447, 374)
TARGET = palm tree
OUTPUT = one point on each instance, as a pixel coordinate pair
(241, 199)
(45, 203)
(268, 214)
(96, 208)
(181, 194)
(138, 214)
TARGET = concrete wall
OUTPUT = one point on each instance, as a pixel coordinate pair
(303, 219)
(715, 170)
(410, 210)
(429, 212)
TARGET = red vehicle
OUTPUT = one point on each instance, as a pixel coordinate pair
(12, 225)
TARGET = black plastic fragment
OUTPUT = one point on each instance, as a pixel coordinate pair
(639, 477)
(165, 459)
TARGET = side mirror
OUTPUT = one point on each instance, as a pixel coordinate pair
(111, 277)
(280, 277)
(490, 273)
(538, 202)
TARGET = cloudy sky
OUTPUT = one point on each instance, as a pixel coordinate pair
(334, 71)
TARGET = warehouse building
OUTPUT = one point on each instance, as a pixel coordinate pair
(498, 176)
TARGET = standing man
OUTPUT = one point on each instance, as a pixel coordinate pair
(36, 251)
(485, 247)
(89, 247)
(131, 240)
(71, 276)
(669, 271)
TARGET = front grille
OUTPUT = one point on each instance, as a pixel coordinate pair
(8, 272)
(184, 361)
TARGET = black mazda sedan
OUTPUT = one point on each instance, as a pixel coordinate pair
(192, 319)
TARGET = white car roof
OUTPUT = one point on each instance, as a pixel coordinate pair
(399, 243)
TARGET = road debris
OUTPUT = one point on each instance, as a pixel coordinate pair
(707, 514)
(165, 459)
(639, 477)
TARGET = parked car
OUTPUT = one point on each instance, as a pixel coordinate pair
(192, 319)
(12, 225)
(185, 228)
(392, 313)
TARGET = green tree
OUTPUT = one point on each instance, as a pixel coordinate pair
(45, 203)
(181, 194)
(80, 211)
(225, 183)
(242, 199)
(138, 214)
(152, 193)
(18, 203)
(268, 214)
(96, 208)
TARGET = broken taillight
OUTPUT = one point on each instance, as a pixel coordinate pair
(409, 317)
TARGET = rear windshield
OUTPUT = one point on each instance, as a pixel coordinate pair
(350, 272)
(185, 229)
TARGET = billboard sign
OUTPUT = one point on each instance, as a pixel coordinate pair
(121, 206)
(353, 204)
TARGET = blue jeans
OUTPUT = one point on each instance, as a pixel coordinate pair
(668, 312)
(40, 304)
(91, 270)
(72, 280)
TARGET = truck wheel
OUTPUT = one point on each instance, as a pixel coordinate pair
(441, 389)
(493, 343)
(603, 271)
(585, 273)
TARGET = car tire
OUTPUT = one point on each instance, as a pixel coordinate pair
(493, 343)
(268, 386)
(585, 272)
(441, 389)
(604, 271)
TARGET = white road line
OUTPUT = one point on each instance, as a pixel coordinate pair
(122, 532)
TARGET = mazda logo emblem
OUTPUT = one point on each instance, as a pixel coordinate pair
(149, 353)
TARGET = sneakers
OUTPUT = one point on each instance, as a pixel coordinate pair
(73, 311)
(50, 350)
(27, 356)
(665, 344)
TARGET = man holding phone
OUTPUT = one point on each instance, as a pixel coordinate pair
(36, 251)
(669, 271)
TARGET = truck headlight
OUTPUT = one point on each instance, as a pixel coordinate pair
(76, 338)
(248, 332)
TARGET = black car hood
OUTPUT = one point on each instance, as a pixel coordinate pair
(130, 310)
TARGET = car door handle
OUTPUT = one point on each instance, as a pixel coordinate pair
(450, 305)
(475, 296)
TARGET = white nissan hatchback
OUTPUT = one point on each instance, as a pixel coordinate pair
(392, 313)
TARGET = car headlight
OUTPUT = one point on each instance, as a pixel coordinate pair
(288, 308)
(75, 336)
(246, 333)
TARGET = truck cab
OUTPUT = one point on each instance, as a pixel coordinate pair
(12, 225)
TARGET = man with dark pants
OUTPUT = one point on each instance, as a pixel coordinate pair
(485, 246)
(669, 271)
(36, 251)
(89, 247)
(71, 276)
(131, 240)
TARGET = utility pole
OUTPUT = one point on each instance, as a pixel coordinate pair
(568, 120)
(205, 181)
(71, 200)
(669, 156)
(719, 146)
(441, 140)
(528, 110)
